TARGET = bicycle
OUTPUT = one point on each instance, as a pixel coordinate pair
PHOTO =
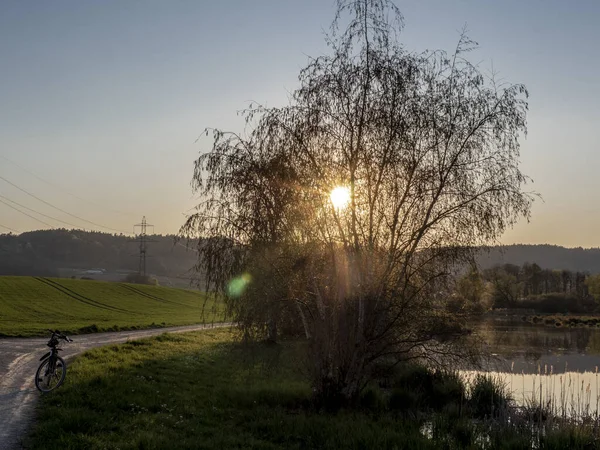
(53, 369)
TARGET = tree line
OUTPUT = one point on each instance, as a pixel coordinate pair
(546, 255)
(43, 253)
(526, 287)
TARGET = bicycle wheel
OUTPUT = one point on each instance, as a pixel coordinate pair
(47, 377)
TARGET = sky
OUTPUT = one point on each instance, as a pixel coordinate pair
(102, 101)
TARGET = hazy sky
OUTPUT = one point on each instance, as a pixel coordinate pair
(104, 99)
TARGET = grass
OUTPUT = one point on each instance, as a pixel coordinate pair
(200, 390)
(30, 305)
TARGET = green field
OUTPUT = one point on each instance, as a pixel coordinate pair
(30, 305)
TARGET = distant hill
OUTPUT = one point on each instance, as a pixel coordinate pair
(545, 255)
(66, 253)
(71, 252)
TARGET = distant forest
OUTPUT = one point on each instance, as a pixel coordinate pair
(45, 253)
(547, 256)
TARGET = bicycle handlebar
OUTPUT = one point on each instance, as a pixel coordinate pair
(60, 335)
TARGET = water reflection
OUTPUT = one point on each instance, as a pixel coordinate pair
(521, 347)
(572, 394)
(556, 367)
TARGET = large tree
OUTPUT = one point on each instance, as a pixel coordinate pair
(425, 147)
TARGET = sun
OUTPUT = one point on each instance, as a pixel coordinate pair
(340, 197)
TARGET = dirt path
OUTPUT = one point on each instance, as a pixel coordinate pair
(18, 363)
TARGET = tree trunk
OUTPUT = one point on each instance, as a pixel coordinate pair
(304, 321)
(272, 331)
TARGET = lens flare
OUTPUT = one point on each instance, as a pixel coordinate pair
(238, 285)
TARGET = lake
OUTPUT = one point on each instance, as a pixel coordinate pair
(556, 366)
(525, 347)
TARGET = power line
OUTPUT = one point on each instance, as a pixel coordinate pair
(10, 229)
(63, 189)
(28, 215)
(59, 209)
(41, 214)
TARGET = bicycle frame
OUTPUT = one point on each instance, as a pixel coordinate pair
(52, 355)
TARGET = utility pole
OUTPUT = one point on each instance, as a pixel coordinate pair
(142, 238)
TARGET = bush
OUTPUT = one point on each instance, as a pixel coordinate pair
(136, 278)
(89, 329)
(384, 372)
(426, 389)
(373, 400)
(489, 397)
(412, 383)
(448, 388)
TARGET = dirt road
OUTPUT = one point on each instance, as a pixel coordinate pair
(18, 363)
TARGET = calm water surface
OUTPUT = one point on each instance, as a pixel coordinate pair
(556, 366)
(520, 347)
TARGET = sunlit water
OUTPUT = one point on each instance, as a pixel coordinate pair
(557, 367)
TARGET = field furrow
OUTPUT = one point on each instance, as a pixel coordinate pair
(29, 306)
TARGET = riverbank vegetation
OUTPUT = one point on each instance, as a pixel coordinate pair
(206, 390)
(526, 289)
(568, 320)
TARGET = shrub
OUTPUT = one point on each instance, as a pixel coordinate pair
(403, 400)
(383, 373)
(448, 388)
(136, 278)
(489, 397)
(427, 389)
(372, 399)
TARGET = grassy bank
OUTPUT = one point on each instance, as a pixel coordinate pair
(566, 320)
(200, 390)
(30, 305)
